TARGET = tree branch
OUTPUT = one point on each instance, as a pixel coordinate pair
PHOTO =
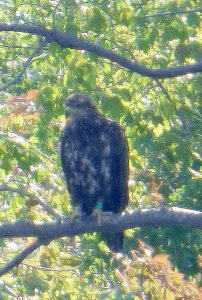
(67, 40)
(140, 218)
(48, 231)
(39, 200)
(25, 66)
(20, 257)
(185, 129)
(7, 289)
(54, 14)
(173, 13)
(20, 140)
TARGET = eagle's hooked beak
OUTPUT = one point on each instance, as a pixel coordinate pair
(71, 111)
(67, 113)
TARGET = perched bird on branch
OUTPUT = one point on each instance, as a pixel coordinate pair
(94, 156)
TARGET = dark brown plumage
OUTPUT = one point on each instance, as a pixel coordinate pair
(94, 156)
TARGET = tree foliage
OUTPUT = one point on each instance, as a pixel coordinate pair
(163, 122)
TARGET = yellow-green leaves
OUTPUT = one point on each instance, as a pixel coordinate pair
(96, 19)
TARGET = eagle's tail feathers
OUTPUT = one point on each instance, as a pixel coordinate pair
(115, 241)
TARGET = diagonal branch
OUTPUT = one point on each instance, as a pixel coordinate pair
(67, 40)
(5, 287)
(20, 140)
(174, 216)
(185, 129)
(37, 199)
(20, 257)
(25, 66)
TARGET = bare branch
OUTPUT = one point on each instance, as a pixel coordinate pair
(46, 207)
(15, 47)
(172, 13)
(143, 4)
(140, 218)
(19, 139)
(67, 40)
(7, 289)
(20, 257)
(26, 252)
(25, 66)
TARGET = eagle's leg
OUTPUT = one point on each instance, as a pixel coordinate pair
(98, 212)
(77, 213)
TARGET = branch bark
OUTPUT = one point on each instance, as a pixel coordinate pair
(48, 231)
(67, 40)
(140, 218)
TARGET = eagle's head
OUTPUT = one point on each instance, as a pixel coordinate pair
(79, 104)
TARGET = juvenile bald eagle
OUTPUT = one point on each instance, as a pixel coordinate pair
(94, 157)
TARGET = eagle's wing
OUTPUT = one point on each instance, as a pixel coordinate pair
(119, 165)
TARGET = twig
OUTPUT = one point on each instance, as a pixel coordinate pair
(19, 139)
(7, 289)
(143, 4)
(67, 40)
(183, 122)
(25, 66)
(46, 268)
(172, 13)
(54, 14)
(16, 47)
(5, 188)
(20, 257)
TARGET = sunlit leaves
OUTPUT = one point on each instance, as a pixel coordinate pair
(192, 50)
(113, 107)
(146, 273)
(96, 19)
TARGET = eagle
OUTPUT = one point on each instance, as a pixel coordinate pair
(94, 158)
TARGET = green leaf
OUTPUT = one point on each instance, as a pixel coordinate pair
(96, 19)
(113, 107)
(194, 20)
(125, 15)
(170, 33)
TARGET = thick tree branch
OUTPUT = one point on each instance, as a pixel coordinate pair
(20, 257)
(67, 40)
(140, 218)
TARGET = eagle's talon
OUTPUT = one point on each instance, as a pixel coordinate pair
(97, 213)
(76, 215)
